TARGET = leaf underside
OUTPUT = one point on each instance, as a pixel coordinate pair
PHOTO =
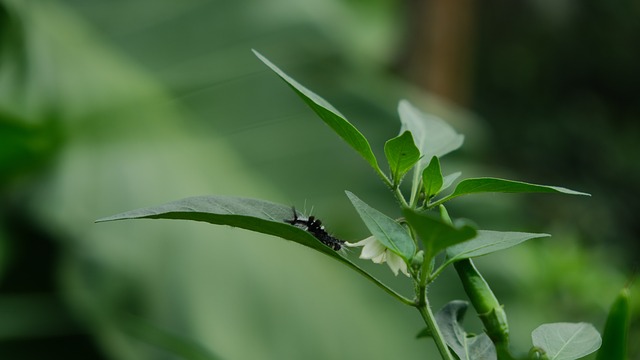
(464, 345)
(251, 214)
(566, 341)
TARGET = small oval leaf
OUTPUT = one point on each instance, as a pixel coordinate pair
(402, 154)
(566, 341)
(386, 230)
(432, 179)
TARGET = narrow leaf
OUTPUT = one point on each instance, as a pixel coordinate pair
(566, 341)
(488, 185)
(329, 115)
(386, 230)
(435, 234)
(251, 214)
(466, 347)
(487, 242)
(432, 178)
(402, 154)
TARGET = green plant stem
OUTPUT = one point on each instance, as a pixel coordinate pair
(399, 196)
(439, 202)
(437, 271)
(386, 180)
(430, 320)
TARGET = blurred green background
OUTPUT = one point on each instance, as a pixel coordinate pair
(107, 106)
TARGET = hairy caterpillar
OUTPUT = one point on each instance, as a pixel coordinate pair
(314, 226)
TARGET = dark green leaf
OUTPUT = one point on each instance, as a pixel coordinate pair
(432, 136)
(616, 329)
(488, 185)
(251, 214)
(401, 154)
(487, 242)
(466, 347)
(435, 234)
(386, 230)
(432, 178)
(329, 115)
(566, 341)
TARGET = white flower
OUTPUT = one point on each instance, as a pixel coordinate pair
(374, 250)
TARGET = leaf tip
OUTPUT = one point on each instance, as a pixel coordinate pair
(405, 105)
(260, 56)
(106, 219)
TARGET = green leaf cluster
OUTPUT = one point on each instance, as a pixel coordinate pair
(427, 241)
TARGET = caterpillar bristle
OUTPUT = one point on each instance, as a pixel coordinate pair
(314, 226)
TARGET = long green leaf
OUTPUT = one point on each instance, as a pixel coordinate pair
(566, 341)
(489, 185)
(487, 242)
(251, 214)
(402, 154)
(386, 230)
(329, 115)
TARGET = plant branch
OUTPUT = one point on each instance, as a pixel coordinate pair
(430, 320)
(384, 287)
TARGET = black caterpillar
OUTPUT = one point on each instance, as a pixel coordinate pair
(314, 226)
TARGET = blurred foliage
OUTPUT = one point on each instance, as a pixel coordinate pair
(107, 106)
(559, 90)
